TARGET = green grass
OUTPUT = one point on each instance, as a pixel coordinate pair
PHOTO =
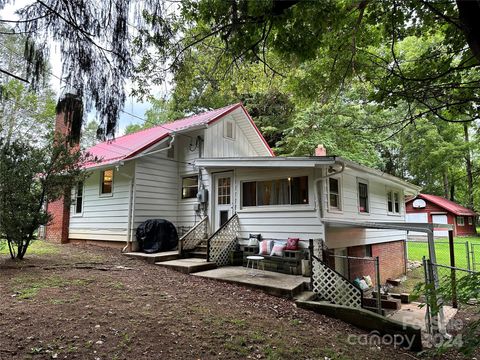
(27, 287)
(416, 250)
(37, 247)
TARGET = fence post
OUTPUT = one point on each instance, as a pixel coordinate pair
(474, 261)
(427, 296)
(379, 296)
(310, 260)
(467, 254)
(452, 270)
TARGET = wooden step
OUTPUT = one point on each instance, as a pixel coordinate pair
(198, 254)
(155, 257)
(188, 266)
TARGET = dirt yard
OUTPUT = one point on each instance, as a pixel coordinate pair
(89, 303)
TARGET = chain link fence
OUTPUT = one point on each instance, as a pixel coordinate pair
(467, 253)
(445, 290)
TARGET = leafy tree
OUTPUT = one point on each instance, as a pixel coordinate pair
(24, 113)
(89, 135)
(29, 177)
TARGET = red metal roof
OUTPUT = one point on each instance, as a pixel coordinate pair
(448, 205)
(125, 147)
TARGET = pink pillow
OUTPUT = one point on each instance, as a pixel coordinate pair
(292, 244)
(278, 249)
(265, 247)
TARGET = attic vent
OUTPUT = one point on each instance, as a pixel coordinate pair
(228, 131)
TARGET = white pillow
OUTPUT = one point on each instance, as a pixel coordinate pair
(253, 241)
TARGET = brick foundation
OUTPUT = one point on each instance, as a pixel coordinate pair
(391, 256)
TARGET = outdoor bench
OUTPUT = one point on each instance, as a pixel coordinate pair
(289, 263)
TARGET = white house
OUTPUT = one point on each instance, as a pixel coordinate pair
(157, 173)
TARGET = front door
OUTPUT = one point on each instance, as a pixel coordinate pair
(223, 198)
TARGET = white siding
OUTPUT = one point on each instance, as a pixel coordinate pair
(246, 141)
(377, 198)
(279, 222)
(188, 151)
(156, 188)
(103, 217)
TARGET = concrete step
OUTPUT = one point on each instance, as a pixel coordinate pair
(153, 258)
(305, 296)
(188, 266)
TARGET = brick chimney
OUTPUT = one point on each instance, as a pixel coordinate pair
(57, 228)
(320, 150)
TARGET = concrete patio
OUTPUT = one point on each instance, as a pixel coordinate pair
(270, 282)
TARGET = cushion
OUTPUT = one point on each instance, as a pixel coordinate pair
(368, 280)
(278, 249)
(254, 239)
(363, 285)
(265, 247)
(292, 244)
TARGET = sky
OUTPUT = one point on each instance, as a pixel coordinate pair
(132, 105)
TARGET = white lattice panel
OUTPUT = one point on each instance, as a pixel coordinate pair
(195, 235)
(333, 287)
(224, 241)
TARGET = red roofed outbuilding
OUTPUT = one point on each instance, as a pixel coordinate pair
(436, 209)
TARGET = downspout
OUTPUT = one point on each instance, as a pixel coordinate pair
(131, 205)
(130, 212)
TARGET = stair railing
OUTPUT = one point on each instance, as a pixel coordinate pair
(223, 241)
(194, 236)
(332, 286)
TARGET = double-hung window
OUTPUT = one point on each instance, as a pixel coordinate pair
(363, 197)
(106, 186)
(79, 198)
(393, 202)
(334, 194)
(460, 221)
(189, 187)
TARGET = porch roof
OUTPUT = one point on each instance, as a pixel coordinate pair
(406, 226)
(266, 162)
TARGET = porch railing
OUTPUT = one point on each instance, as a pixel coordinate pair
(333, 286)
(223, 241)
(194, 236)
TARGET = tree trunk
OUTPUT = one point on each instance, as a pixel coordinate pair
(469, 15)
(445, 184)
(468, 166)
(452, 192)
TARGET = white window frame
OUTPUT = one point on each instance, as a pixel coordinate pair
(392, 193)
(470, 220)
(331, 208)
(101, 183)
(181, 186)
(363, 181)
(283, 206)
(75, 194)
(225, 131)
(461, 223)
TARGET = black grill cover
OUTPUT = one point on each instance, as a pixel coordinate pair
(157, 235)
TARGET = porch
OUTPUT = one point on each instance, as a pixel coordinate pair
(272, 283)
